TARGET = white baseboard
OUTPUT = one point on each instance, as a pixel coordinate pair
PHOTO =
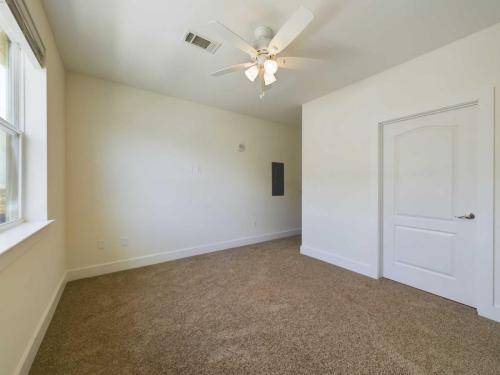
(350, 264)
(29, 354)
(491, 312)
(125, 264)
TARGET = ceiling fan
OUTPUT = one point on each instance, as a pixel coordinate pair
(264, 52)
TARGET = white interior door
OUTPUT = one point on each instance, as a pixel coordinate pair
(429, 185)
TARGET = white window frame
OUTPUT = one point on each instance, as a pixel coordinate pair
(15, 127)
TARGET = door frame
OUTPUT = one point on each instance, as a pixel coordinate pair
(484, 101)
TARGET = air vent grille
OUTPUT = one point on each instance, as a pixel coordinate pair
(201, 42)
(189, 37)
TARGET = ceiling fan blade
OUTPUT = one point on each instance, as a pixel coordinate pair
(299, 63)
(232, 69)
(233, 38)
(290, 30)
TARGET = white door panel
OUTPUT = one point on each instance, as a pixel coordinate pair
(424, 182)
(428, 180)
(435, 249)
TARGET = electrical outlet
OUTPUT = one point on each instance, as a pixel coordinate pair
(100, 244)
(124, 241)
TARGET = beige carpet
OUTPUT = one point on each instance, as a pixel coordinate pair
(261, 309)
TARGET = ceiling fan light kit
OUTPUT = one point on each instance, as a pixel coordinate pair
(265, 49)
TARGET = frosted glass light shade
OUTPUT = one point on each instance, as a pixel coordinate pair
(270, 67)
(252, 72)
(269, 78)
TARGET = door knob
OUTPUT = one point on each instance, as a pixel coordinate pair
(468, 216)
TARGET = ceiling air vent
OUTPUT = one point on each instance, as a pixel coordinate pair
(203, 43)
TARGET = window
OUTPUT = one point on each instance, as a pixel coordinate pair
(10, 130)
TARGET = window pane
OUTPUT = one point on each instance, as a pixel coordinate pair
(9, 177)
(4, 76)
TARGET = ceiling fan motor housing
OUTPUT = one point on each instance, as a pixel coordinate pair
(263, 36)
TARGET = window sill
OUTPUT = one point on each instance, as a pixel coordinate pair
(16, 241)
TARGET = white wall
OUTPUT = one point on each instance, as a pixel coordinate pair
(340, 143)
(28, 285)
(166, 174)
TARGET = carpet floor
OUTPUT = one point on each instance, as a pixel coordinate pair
(261, 309)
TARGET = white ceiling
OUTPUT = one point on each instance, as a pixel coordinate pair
(140, 43)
